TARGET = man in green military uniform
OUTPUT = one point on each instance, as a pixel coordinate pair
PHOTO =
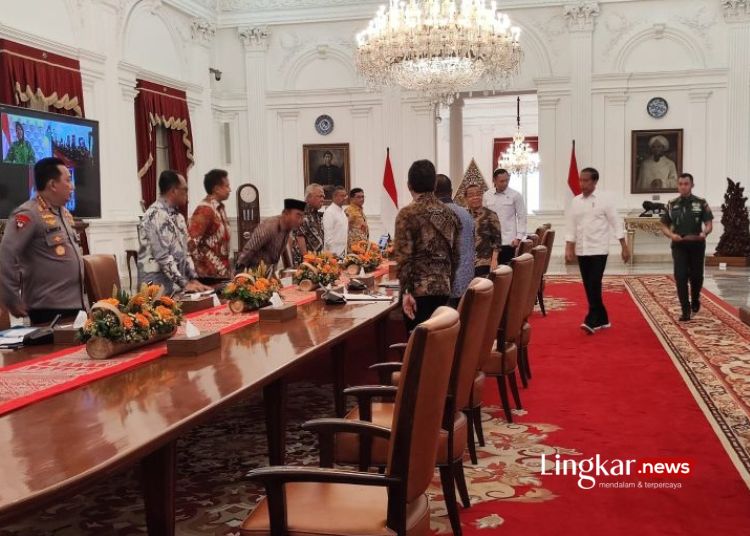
(20, 151)
(41, 264)
(687, 222)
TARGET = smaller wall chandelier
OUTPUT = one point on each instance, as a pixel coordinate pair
(438, 48)
(519, 158)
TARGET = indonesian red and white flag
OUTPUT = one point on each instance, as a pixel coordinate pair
(573, 176)
(389, 197)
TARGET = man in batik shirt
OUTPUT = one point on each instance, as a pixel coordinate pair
(163, 257)
(358, 229)
(209, 230)
(425, 247)
(309, 237)
(487, 236)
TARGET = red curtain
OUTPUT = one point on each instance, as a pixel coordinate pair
(158, 105)
(500, 145)
(28, 74)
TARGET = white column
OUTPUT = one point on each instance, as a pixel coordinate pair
(291, 163)
(550, 192)
(615, 145)
(737, 16)
(364, 170)
(255, 162)
(580, 18)
(124, 196)
(456, 141)
(696, 155)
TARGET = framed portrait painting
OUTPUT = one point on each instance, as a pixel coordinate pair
(656, 161)
(328, 165)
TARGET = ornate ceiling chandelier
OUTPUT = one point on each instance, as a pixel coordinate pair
(437, 48)
(519, 158)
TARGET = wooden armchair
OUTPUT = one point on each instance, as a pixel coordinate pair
(548, 240)
(100, 274)
(540, 254)
(473, 310)
(502, 361)
(326, 501)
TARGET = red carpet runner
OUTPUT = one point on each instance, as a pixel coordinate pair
(616, 394)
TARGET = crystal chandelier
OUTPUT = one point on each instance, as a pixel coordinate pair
(519, 158)
(437, 48)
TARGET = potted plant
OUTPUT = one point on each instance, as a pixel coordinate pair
(125, 322)
(317, 269)
(365, 255)
(251, 290)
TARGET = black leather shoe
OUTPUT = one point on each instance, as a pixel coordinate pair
(685, 317)
(696, 306)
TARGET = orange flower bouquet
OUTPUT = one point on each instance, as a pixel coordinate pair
(124, 322)
(250, 290)
(319, 269)
(365, 255)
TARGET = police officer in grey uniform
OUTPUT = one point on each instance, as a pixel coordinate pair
(687, 222)
(41, 263)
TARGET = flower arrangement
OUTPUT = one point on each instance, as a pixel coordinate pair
(132, 319)
(250, 290)
(319, 269)
(365, 255)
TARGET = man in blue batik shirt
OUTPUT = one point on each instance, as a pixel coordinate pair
(163, 257)
(466, 251)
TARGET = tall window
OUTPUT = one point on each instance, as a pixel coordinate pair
(162, 150)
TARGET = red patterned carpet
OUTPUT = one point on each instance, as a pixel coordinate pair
(646, 388)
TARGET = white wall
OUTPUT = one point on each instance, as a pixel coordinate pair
(591, 66)
(117, 42)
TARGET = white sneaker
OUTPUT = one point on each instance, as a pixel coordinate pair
(588, 329)
(603, 326)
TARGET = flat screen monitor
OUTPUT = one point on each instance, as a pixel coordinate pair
(27, 136)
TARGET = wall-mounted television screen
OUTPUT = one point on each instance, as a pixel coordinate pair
(27, 136)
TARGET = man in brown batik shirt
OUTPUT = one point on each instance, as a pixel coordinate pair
(425, 247)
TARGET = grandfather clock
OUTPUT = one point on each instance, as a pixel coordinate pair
(248, 212)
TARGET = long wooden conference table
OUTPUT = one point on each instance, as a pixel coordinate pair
(57, 446)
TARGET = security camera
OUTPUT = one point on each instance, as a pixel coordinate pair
(216, 73)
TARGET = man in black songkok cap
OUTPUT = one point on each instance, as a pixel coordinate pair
(269, 239)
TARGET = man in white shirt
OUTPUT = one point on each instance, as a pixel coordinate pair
(589, 222)
(336, 224)
(511, 211)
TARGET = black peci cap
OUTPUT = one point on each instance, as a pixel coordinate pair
(294, 204)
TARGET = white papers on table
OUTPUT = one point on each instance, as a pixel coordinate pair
(14, 336)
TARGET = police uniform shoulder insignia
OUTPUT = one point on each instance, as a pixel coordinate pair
(22, 220)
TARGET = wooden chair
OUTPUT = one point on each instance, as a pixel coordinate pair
(540, 255)
(100, 275)
(524, 247)
(473, 310)
(502, 361)
(501, 280)
(548, 240)
(324, 501)
(4, 319)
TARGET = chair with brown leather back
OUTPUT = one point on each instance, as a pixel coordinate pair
(500, 278)
(548, 240)
(524, 247)
(473, 310)
(100, 275)
(540, 255)
(311, 501)
(502, 361)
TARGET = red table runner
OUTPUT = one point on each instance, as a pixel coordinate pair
(36, 379)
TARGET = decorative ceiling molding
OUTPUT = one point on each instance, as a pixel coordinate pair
(202, 30)
(580, 16)
(254, 37)
(736, 10)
